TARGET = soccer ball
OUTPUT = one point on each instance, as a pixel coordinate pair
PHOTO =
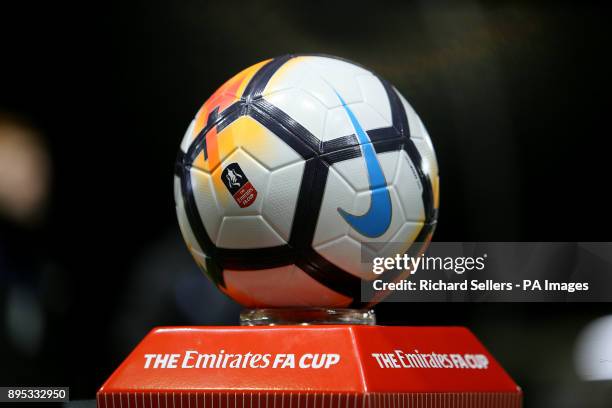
(295, 171)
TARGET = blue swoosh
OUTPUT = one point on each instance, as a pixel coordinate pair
(377, 219)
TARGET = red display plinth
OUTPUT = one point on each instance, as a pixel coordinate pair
(341, 366)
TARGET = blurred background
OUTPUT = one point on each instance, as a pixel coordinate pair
(95, 98)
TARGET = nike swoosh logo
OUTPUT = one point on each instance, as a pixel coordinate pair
(377, 219)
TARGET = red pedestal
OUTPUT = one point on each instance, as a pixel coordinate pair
(309, 367)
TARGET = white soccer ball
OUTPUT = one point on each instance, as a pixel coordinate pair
(291, 169)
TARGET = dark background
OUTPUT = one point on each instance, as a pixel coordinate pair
(515, 97)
